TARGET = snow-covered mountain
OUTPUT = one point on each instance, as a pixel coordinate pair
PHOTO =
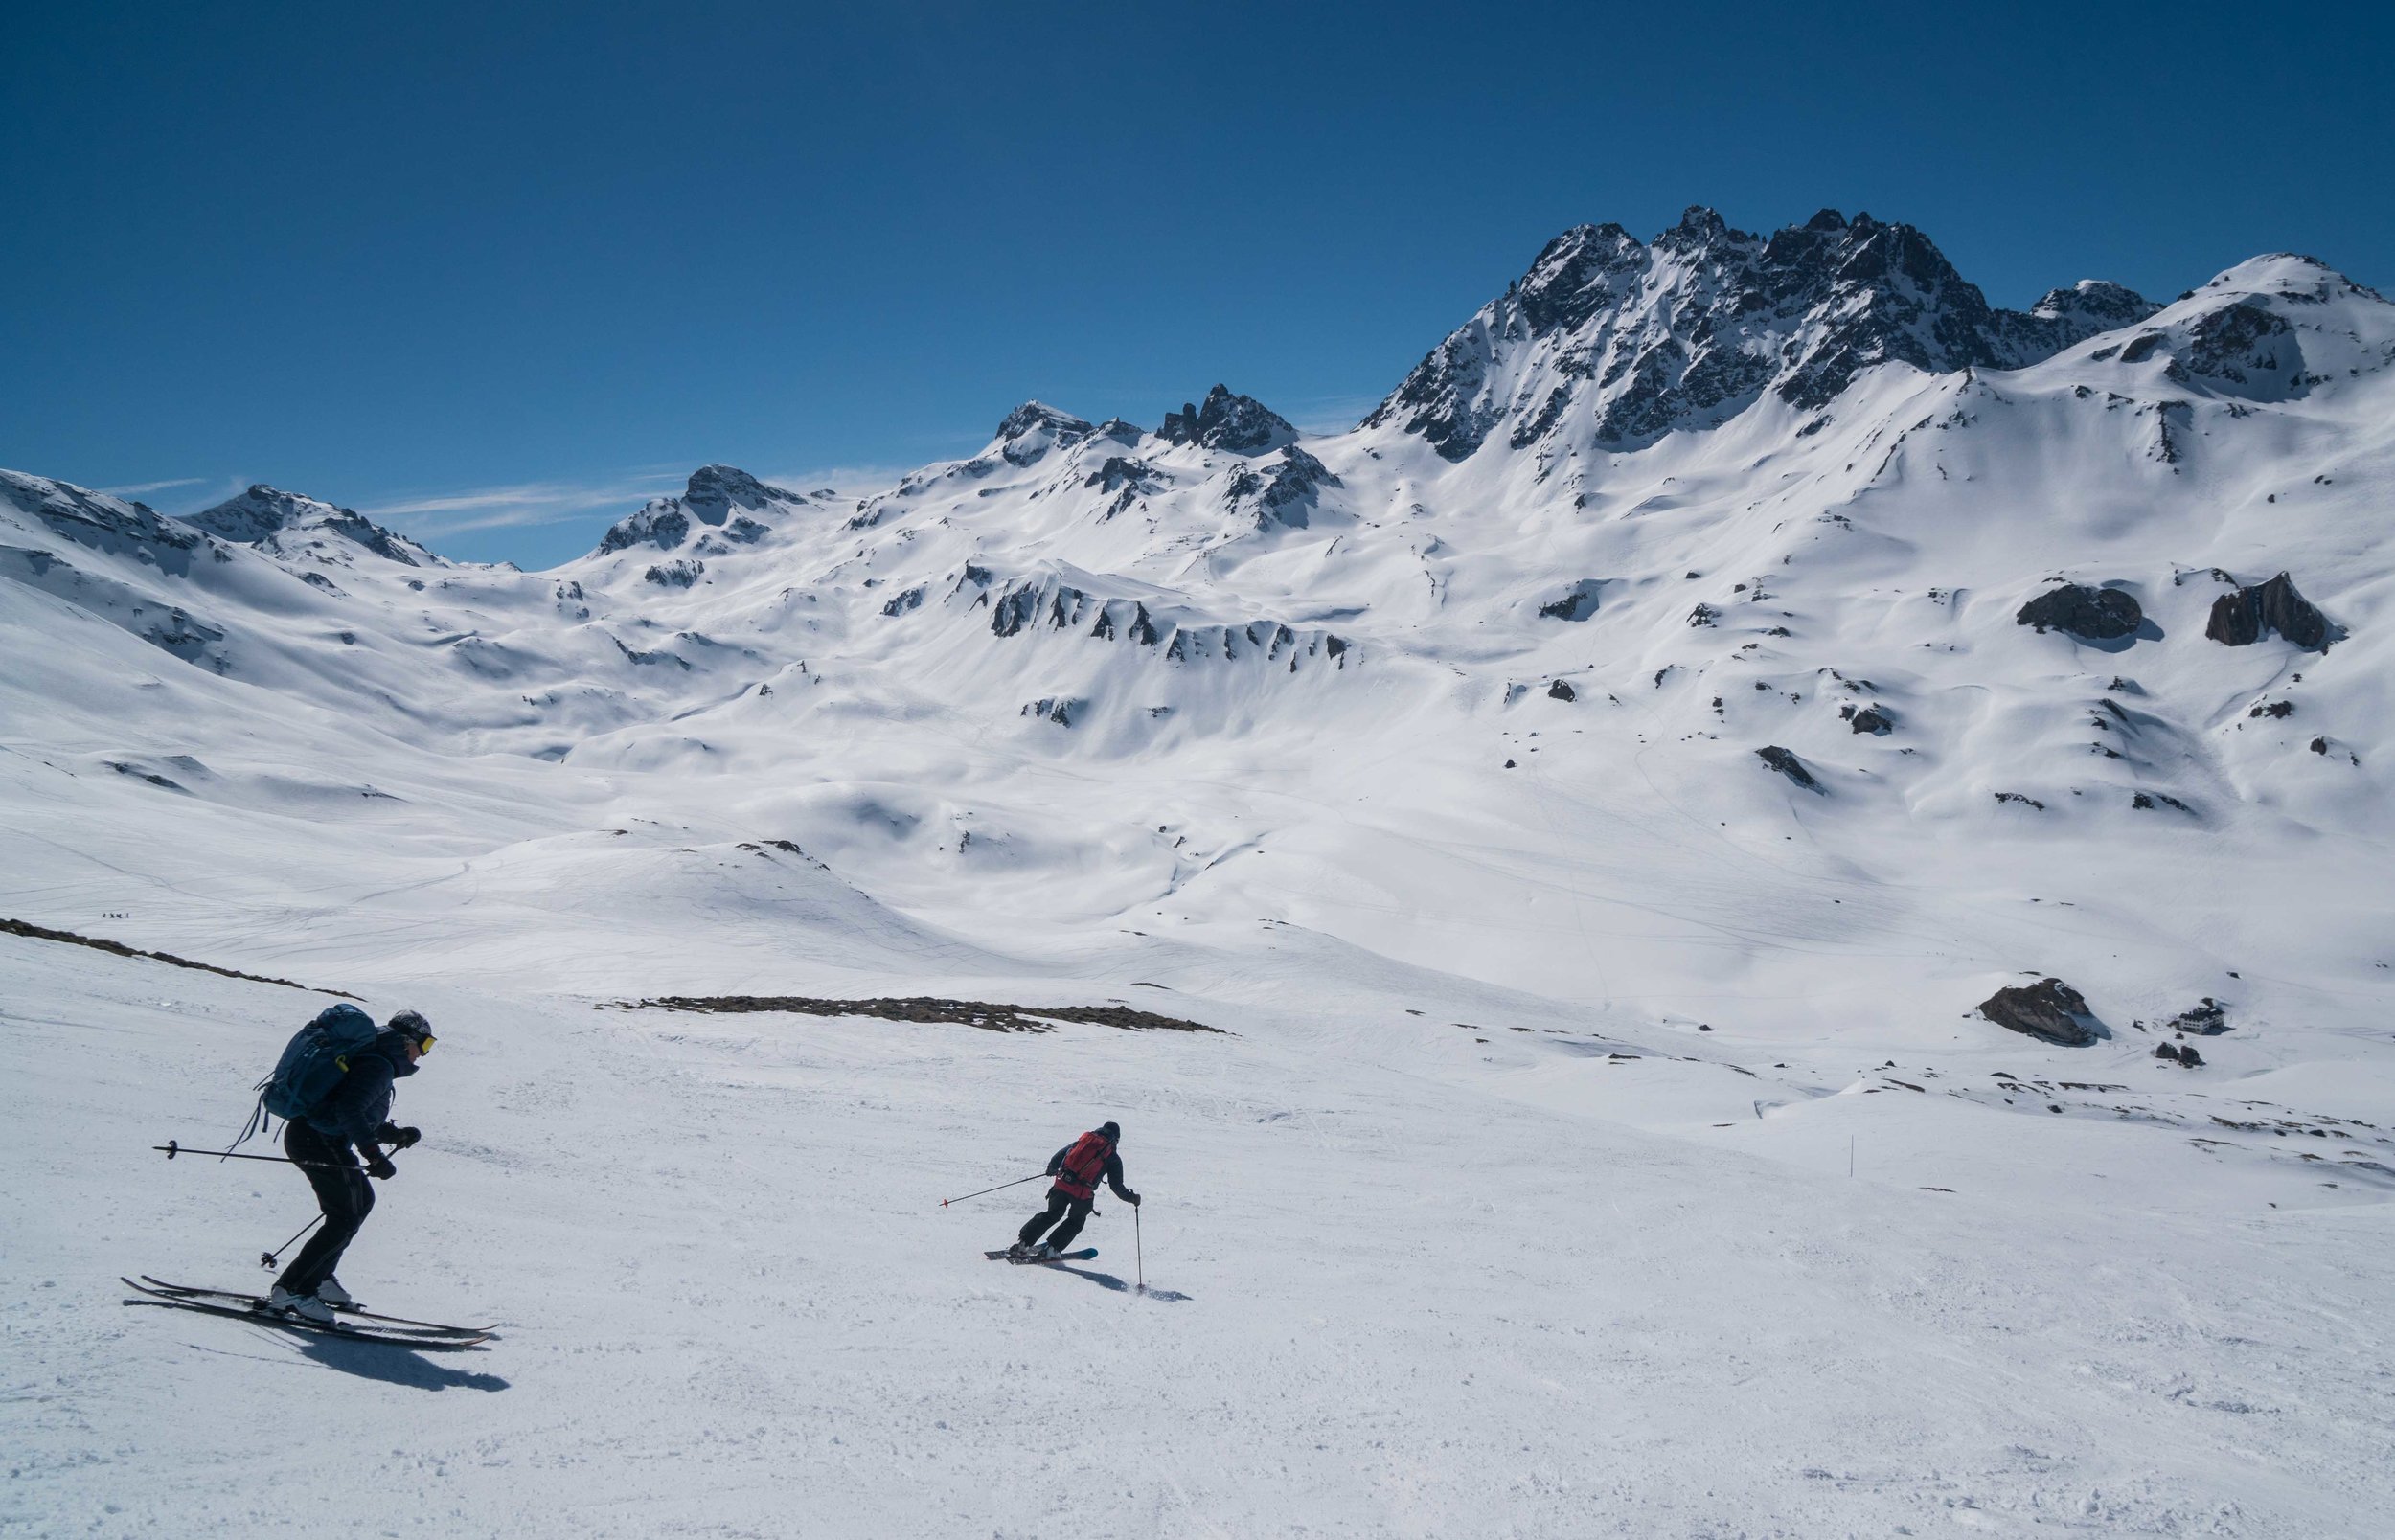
(1726, 662)
(1685, 333)
(1675, 503)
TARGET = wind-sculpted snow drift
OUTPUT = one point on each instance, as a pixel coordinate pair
(1723, 664)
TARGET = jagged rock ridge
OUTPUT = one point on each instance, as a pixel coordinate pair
(1630, 340)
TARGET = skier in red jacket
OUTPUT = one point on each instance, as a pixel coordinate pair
(1078, 1168)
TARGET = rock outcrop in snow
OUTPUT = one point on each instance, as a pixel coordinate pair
(720, 501)
(2239, 619)
(2100, 614)
(2049, 1009)
(1240, 425)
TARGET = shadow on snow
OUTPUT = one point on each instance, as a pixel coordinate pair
(396, 1365)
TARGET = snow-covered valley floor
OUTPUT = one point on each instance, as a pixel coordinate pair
(1403, 1279)
(1598, 806)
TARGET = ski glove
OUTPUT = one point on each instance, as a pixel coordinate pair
(379, 1166)
(398, 1137)
(1131, 1198)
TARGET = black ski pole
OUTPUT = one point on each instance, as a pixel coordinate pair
(1139, 1251)
(173, 1149)
(1001, 1187)
(269, 1260)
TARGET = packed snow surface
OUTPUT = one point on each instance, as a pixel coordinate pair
(1592, 799)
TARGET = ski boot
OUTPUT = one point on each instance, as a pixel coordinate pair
(335, 1294)
(306, 1307)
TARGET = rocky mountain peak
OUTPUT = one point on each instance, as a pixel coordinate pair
(715, 490)
(1239, 425)
(1623, 341)
(1034, 428)
(264, 515)
(260, 512)
(718, 499)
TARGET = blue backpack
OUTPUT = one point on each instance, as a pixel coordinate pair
(314, 1061)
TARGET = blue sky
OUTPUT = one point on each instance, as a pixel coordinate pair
(496, 273)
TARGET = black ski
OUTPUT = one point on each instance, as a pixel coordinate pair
(159, 1285)
(1081, 1255)
(427, 1341)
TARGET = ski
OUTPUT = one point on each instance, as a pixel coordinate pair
(396, 1329)
(262, 1318)
(1081, 1255)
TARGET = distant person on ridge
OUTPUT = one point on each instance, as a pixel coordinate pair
(1078, 1168)
(354, 1112)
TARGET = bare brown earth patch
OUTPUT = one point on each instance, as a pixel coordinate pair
(981, 1014)
(42, 933)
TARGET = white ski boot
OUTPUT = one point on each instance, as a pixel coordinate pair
(300, 1307)
(335, 1294)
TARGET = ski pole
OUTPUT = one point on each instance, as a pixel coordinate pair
(1139, 1251)
(1001, 1187)
(270, 1260)
(173, 1149)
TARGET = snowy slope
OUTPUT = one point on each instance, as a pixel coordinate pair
(1426, 759)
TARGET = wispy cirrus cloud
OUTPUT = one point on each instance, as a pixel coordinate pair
(521, 504)
(138, 487)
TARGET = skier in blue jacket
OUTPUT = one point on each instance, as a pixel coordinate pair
(352, 1118)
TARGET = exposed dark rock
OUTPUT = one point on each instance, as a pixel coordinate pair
(98, 943)
(1578, 602)
(1240, 425)
(1871, 719)
(2238, 619)
(2166, 1051)
(1032, 429)
(989, 1017)
(2146, 801)
(676, 573)
(1284, 491)
(2017, 797)
(2188, 1057)
(1560, 690)
(1120, 471)
(1045, 603)
(2099, 614)
(709, 500)
(1788, 765)
(2245, 345)
(2278, 709)
(1703, 615)
(906, 600)
(713, 491)
(1686, 331)
(262, 512)
(2049, 1009)
(1058, 710)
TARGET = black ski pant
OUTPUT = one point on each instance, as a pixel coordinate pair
(1061, 1205)
(341, 1191)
